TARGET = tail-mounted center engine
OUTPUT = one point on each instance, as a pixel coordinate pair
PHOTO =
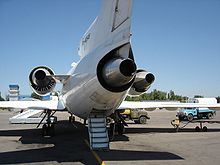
(116, 70)
(142, 82)
(41, 80)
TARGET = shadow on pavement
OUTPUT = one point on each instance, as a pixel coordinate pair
(68, 145)
(126, 155)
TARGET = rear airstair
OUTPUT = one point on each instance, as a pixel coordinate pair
(98, 133)
(28, 117)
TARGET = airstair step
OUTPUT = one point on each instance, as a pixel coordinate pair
(95, 135)
(98, 134)
(97, 120)
(97, 125)
(96, 130)
(99, 140)
(96, 116)
(100, 146)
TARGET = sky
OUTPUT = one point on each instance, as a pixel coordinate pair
(177, 40)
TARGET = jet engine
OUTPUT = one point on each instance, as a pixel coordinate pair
(141, 83)
(41, 80)
(116, 74)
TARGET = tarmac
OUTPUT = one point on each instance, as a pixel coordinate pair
(153, 143)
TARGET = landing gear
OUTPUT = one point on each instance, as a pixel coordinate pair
(48, 128)
(117, 128)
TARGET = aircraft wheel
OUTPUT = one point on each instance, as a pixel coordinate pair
(48, 130)
(52, 130)
(111, 129)
(44, 130)
(120, 129)
(204, 129)
(197, 129)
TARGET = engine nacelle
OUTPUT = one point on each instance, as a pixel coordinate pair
(116, 74)
(41, 80)
(142, 82)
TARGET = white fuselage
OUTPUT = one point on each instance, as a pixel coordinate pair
(83, 92)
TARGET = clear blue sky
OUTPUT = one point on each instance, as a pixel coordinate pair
(177, 40)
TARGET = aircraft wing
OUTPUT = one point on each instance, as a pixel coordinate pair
(37, 105)
(167, 105)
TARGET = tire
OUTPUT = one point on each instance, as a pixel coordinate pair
(209, 116)
(111, 129)
(142, 120)
(52, 130)
(181, 118)
(190, 117)
(197, 129)
(204, 129)
(48, 130)
(44, 130)
(121, 129)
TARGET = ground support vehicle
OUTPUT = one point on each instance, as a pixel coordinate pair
(138, 115)
(180, 124)
(198, 113)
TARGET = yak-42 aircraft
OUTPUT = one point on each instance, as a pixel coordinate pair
(97, 85)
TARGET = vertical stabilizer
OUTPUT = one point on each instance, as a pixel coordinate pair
(122, 11)
(111, 27)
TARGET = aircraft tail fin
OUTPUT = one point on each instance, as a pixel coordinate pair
(111, 26)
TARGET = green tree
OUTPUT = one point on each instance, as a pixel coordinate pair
(171, 95)
(1, 99)
(154, 95)
(198, 96)
(158, 95)
(218, 99)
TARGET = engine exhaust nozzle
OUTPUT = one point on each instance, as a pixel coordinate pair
(118, 72)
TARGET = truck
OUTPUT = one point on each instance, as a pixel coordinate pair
(199, 113)
(138, 115)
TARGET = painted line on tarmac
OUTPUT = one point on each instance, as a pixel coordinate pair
(101, 162)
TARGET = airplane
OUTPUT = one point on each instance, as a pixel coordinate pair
(98, 83)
